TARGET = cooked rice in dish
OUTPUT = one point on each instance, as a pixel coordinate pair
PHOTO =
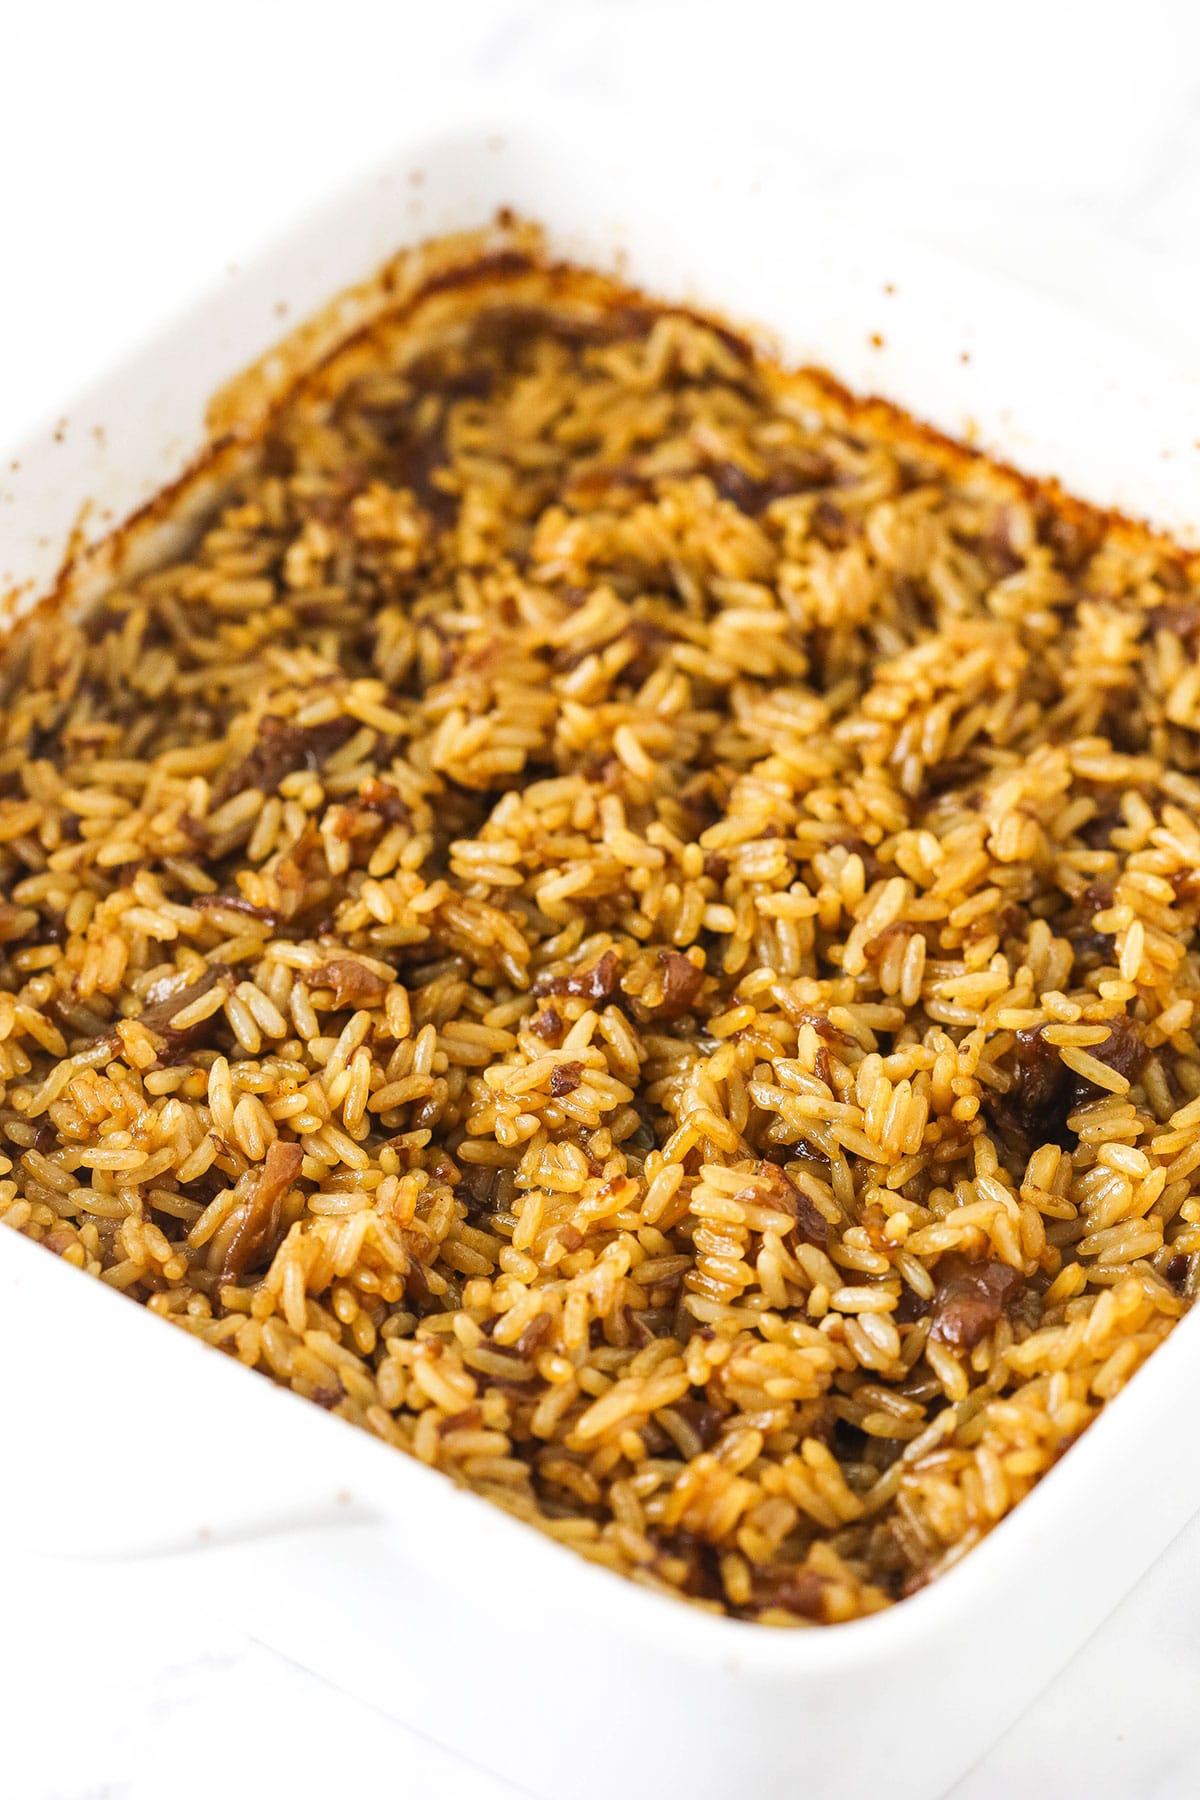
(624, 922)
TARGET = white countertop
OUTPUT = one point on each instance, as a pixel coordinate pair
(1057, 142)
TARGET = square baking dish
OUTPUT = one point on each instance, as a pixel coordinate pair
(126, 1440)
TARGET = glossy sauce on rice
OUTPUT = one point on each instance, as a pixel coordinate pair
(624, 922)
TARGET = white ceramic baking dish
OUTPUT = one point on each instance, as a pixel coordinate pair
(123, 1438)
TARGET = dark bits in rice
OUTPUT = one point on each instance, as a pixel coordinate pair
(628, 927)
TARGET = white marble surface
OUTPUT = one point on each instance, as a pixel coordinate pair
(141, 147)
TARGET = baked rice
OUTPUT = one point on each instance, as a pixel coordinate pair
(624, 921)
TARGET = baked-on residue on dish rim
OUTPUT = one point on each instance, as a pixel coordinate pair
(776, 1144)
